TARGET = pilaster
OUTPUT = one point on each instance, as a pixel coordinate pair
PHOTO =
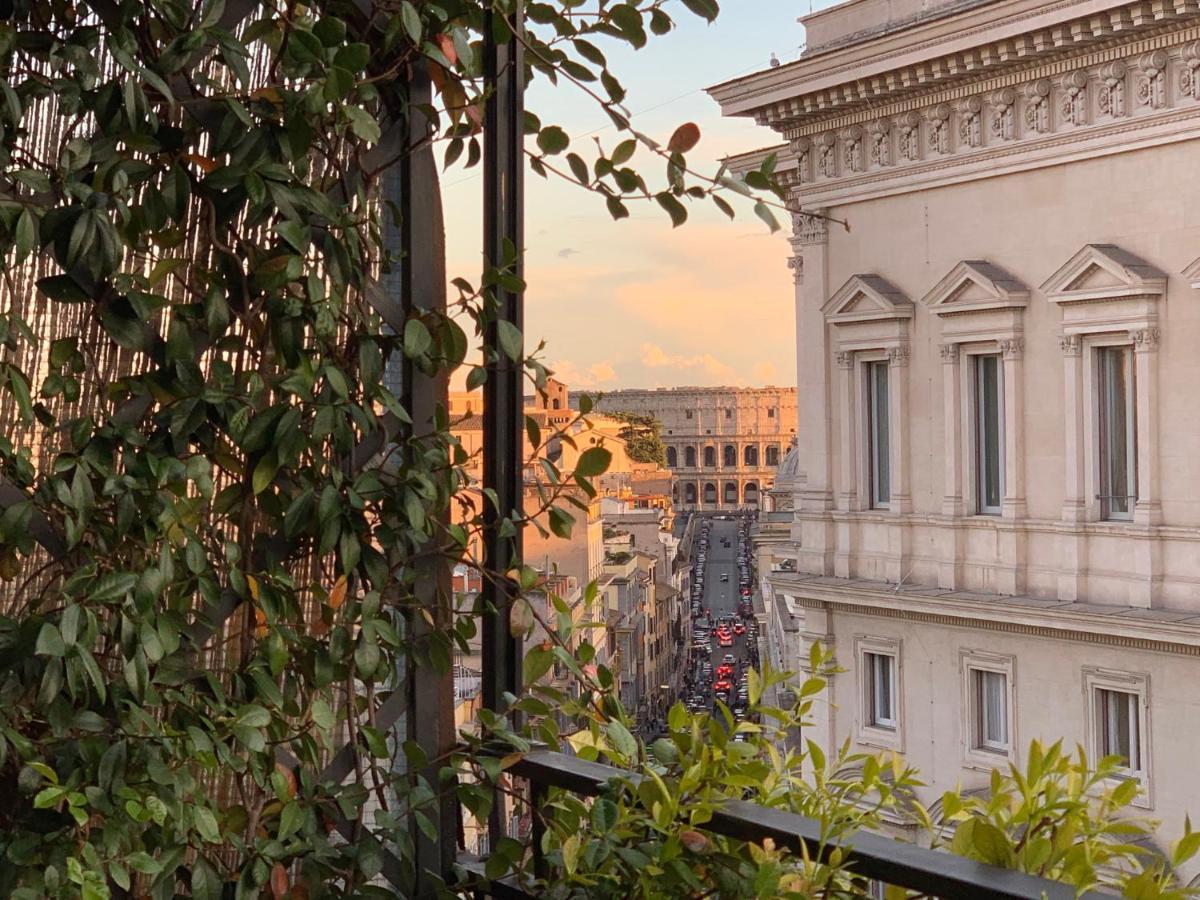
(950, 550)
(1072, 575)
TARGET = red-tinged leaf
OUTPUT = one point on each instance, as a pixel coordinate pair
(686, 137)
(279, 882)
(446, 45)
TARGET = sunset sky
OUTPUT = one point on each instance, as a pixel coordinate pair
(635, 303)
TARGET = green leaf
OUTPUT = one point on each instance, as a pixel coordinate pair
(511, 341)
(707, 9)
(264, 472)
(676, 210)
(363, 124)
(322, 715)
(623, 742)
(206, 883)
(253, 716)
(593, 461)
(25, 239)
(206, 825)
(552, 140)
(412, 21)
(764, 212)
(417, 339)
(537, 663)
(50, 641)
(291, 817)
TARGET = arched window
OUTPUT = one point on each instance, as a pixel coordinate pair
(751, 455)
(710, 492)
(710, 457)
(689, 457)
(731, 493)
(689, 492)
(672, 458)
(730, 455)
(773, 455)
(751, 493)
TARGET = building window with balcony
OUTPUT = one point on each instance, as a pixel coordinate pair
(987, 681)
(730, 454)
(1118, 705)
(988, 437)
(879, 469)
(1117, 427)
(689, 457)
(880, 717)
(710, 457)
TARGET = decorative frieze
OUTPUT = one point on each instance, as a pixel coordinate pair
(1074, 98)
(939, 128)
(845, 360)
(949, 353)
(898, 356)
(1037, 106)
(910, 136)
(827, 155)
(1189, 76)
(852, 148)
(970, 128)
(1152, 79)
(1112, 88)
(881, 151)
(802, 150)
(1003, 102)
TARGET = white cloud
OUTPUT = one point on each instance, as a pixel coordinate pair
(654, 357)
(764, 373)
(596, 375)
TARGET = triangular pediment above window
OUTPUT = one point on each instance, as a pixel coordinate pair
(1192, 274)
(867, 298)
(1104, 272)
(974, 286)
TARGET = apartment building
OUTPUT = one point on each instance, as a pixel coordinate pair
(994, 510)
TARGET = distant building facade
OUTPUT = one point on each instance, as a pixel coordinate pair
(994, 507)
(723, 444)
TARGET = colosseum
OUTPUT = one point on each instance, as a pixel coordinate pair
(723, 443)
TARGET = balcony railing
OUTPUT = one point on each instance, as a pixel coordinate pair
(931, 872)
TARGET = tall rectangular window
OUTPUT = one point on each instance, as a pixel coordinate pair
(878, 437)
(1117, 416)
(990, 697)
(989, 465)
(1118, 726)
(879, 677)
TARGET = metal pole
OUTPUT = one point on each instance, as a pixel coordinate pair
(503, 233)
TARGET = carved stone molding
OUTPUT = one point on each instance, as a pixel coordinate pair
(1037, 105)
(1145, 340)
(898, 356)
(939, 128)
(1189, 76)
(881, 150)
(827, 155)
(1012, 348)
(1003, 102)
(809, 229)
(949, 353)
(970, 128)
(1112, 88)
(852, 149)
(802, 150)
(1074, 98)
(796, 265)
(1071, 345)
(1152, 79)
(844, 360)
(910, 136)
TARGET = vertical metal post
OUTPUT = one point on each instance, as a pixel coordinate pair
(430, 719)
(503, 227)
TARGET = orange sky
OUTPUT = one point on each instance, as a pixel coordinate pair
(637, 303)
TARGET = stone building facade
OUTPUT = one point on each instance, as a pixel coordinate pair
(723, 444)
(996, 497)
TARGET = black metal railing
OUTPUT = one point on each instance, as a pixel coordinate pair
(931, 872)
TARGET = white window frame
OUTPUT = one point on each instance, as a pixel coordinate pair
(890, 735)
(977, 753)
(1096, 351)
(868, 366)
(980, 507)
(1136, 684)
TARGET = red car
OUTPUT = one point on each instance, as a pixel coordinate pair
(724, 671)
(722, 686)
(739, 628)
(725, 640)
